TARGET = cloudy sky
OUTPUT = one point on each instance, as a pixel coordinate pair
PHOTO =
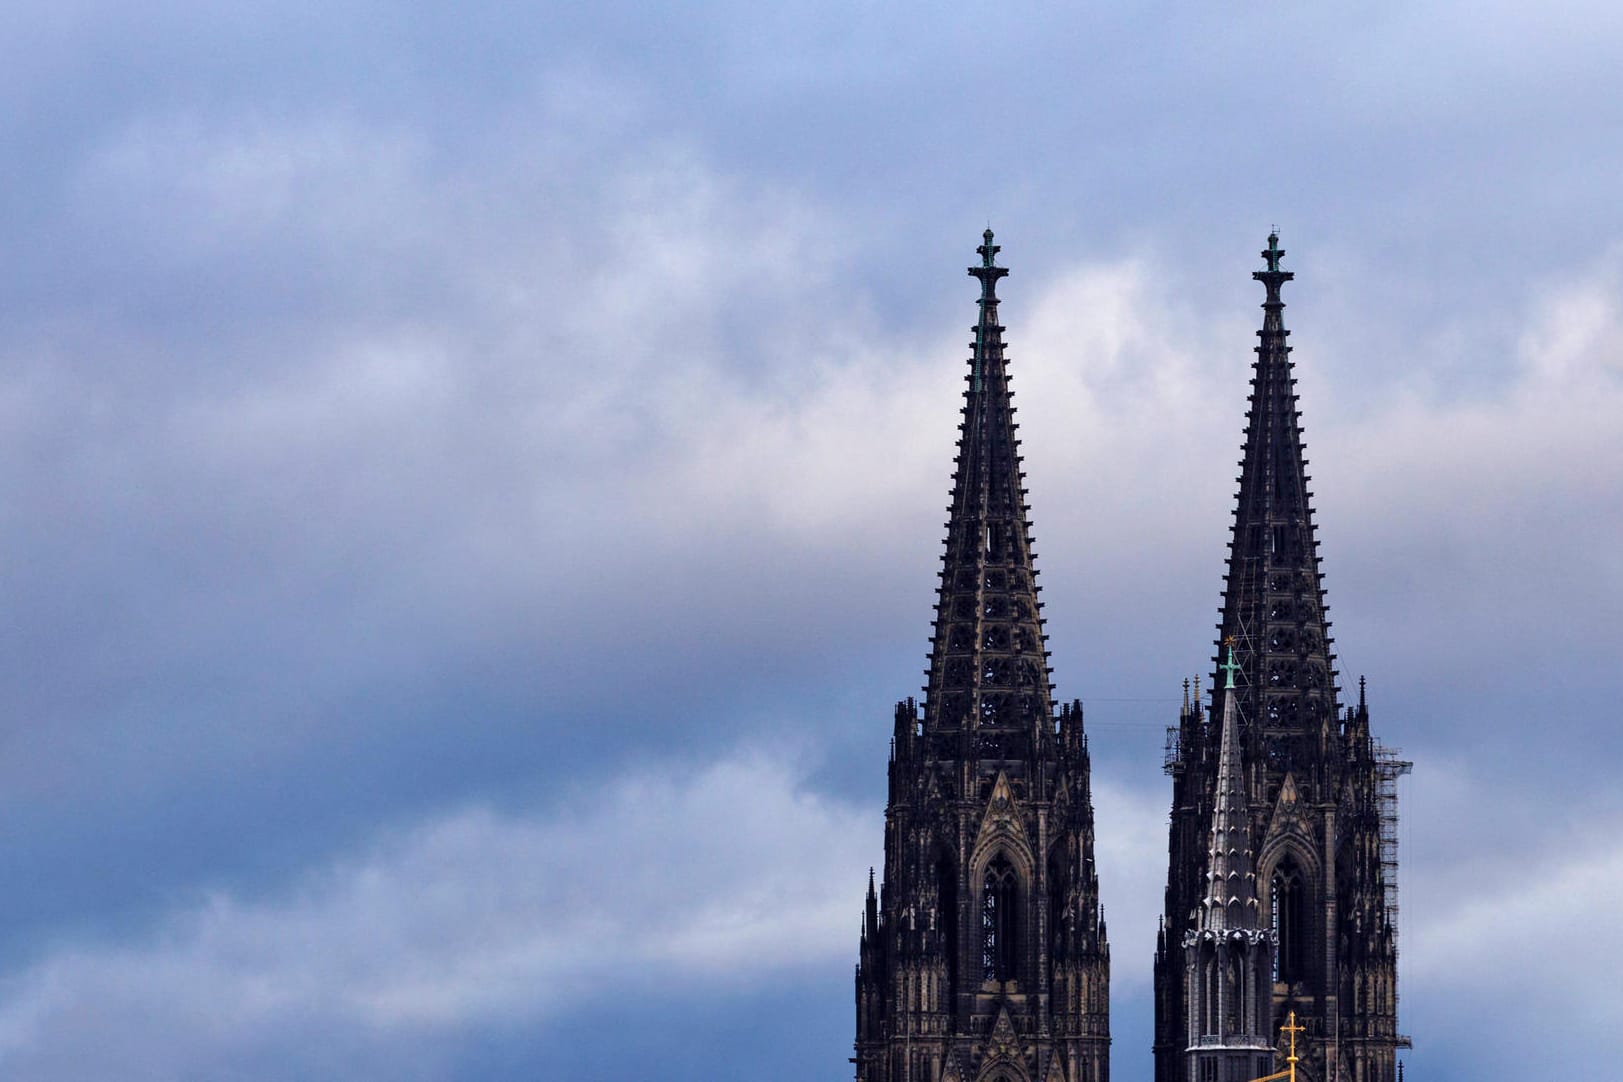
(471, 482)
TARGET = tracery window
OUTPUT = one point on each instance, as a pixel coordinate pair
(947, 914)
(1056, 903)
(1289, 921)
(1231, 996)
(999, 904)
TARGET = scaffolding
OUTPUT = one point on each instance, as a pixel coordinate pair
(1389, 767)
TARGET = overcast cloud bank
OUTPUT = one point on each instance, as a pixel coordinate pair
(713, 876)
(425, 439)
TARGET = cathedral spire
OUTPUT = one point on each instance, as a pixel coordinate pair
(1231, 891)
(991, 957)
(988, 665)
(1273, 601)
(1281, 841)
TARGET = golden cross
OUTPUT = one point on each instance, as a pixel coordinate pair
(1290, 1069)
(1293, 1029)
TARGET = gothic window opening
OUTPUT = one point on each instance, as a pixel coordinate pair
(1000, 897)
(1288, 913)
(946, 879)
(1056, 905)
(1209, 1015)
(1231, 996)
(1282, 674)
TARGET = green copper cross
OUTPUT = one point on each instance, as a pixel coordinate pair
(1230, 666)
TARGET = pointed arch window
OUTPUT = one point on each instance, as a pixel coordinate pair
(1289, 912)
(1231, 995)
(1208, 1014)
(1000, 897)
(1056, 903)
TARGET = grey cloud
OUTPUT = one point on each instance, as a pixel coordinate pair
(473, 917)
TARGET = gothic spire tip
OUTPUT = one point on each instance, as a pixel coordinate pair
(988, 272)
(1272, 278)
(1273, 252)
(987, 251)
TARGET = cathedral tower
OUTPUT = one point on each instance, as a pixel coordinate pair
(983, 958)
(1319, 792)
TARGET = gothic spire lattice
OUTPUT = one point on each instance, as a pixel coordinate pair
(1273, 601)
(988, 664)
